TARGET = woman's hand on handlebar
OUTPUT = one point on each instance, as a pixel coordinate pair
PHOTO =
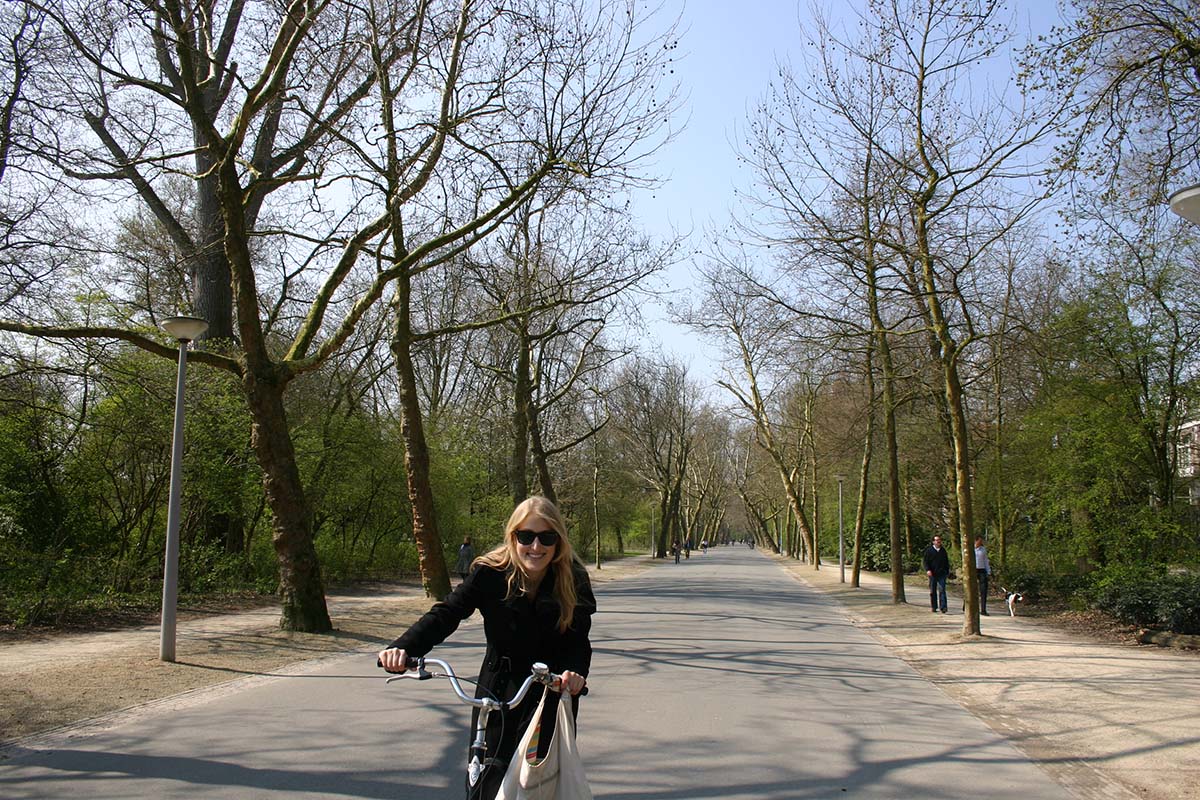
(395, 660)
(572, 682)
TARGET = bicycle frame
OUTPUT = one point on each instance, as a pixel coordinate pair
(478, 757)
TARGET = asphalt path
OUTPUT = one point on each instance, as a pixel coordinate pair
(720, 677)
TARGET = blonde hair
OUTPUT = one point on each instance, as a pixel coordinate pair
(504, 557)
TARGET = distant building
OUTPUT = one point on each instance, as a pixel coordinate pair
(1187, 461)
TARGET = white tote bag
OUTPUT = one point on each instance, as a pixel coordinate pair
(558, 776)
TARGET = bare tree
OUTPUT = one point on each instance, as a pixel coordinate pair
(577, 104)
(757, 333)
(559, 270)
(822, 194)
(954, 166)
(1130, 73)
(710, 477)
(924, 175)
(654, 405)
(323, 177)
(28, 216)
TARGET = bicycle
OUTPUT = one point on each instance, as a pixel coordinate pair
(478, 760)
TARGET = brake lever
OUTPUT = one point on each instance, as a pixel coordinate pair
(417, 664)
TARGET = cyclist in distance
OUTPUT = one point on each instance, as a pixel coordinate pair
(537, 605)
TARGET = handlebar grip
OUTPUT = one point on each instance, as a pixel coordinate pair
(412, 662)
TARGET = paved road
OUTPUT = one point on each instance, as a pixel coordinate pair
(719, 677)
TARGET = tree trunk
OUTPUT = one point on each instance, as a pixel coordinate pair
(301, 590)
(864, 471)
(797, 508)
(998, 398)
(435, 578)
(673, 510)
(541, 463)
(899, 545)
(212, 277)
(899, 532)
(596, 508)
(518, 461)
(664, 506)
(953, 408)
(962, 464)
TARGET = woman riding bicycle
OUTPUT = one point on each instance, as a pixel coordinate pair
(537, 605)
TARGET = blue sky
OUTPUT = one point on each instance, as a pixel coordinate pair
(729, 53)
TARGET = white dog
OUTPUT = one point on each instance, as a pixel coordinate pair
(1011, 599)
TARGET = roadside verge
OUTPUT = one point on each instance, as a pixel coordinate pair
(65, 681)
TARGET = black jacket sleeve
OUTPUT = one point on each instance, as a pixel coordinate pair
(443, 619)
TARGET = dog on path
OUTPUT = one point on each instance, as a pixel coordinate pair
(1011, 599)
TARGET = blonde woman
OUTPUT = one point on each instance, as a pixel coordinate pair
(537, 605)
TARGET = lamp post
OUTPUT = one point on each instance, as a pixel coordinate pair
(649, 490)
(184, 330)
(653, 511)
(1186, 203)
(841, 537)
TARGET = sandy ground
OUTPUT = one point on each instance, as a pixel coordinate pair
(50, 682)
(1107, 720)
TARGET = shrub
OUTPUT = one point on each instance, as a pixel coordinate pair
(1179, 603)
(1149, 596)
(1129, 593)
(1067, 584)
(877, 549)
(1031, 584)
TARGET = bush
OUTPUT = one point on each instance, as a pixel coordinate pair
(877, 549)
(1179, 603)
(1149, 596)
(1032, 585)
(1067, 584)
(1129, 593)
(1037, 585)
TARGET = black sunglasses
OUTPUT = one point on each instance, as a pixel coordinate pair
(547, 538)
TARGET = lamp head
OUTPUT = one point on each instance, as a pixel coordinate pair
(185, 329)
(1186, 203)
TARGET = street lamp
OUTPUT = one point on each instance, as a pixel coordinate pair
(184, 330)
(650, 537)
(652, 515)
(1186, 203)
(841, 537)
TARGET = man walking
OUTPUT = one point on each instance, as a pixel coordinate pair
(983, 569)
(937, 567)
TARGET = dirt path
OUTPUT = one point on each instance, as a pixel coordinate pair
(1108, 721)
(46, 683)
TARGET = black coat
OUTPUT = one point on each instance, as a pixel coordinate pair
(519, 632)
(937, 561)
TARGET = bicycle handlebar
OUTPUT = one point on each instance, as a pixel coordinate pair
(540, 673)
